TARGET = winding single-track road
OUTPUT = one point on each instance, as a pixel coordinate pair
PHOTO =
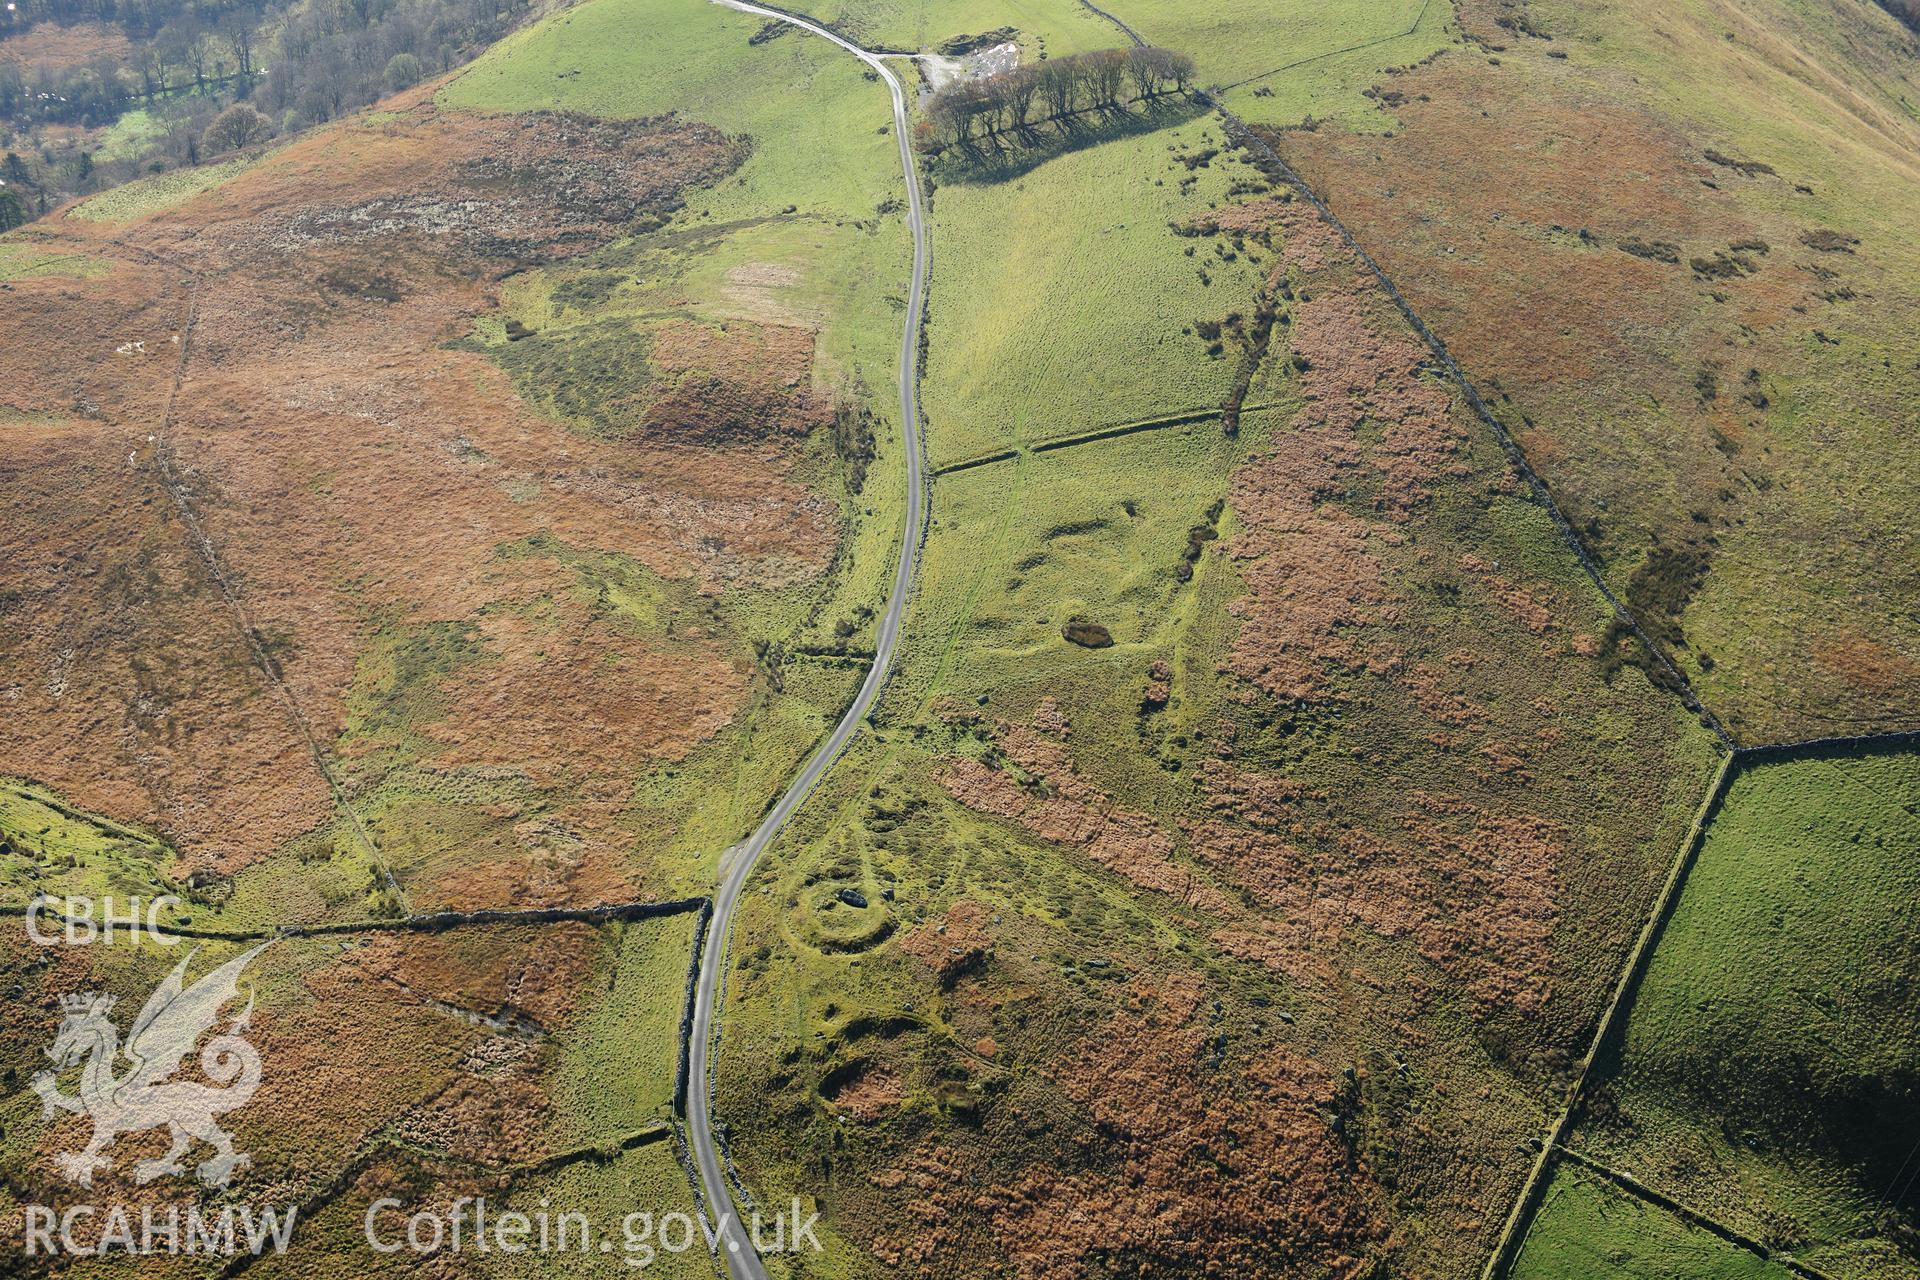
(737, 865)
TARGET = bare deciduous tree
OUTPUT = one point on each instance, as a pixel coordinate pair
(236, 127)
(1106, 75)
(239, 35)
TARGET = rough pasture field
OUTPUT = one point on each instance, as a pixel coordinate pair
(1301, 861)
(1671, 244)
(48, 846)
(604, 1189)
(60, 47)
(1764, 1077)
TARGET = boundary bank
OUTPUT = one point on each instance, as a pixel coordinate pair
(1527, 1204)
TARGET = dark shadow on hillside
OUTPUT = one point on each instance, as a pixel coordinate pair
(1016, 155)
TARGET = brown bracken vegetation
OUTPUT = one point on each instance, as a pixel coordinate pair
(359, 476)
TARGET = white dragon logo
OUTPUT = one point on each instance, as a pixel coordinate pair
(169, 1026)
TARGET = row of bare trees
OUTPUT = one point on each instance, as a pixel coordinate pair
(187, 63)
(318, 58)
(1012, 105)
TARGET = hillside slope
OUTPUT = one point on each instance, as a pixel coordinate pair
(1673, 243)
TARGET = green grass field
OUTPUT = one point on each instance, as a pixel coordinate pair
(814, 119)
(1050, 28)
(157, 194)
(1587, 1229)
(129, 136)
(22, 259)
(48, 847)
(618, 1069)
(1063, 302)
(1284, 63)
(1017, 549)
(1764, 1077)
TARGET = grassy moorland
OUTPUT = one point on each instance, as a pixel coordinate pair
(804, 236)
(1235, 790)
(1307, 62)
(1764, 1077)
(647, 377)
(1231, 878)
(1698, 318)
(505, 1061)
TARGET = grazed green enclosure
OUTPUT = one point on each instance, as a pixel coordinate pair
(1587, 1229)
(1766, 1073)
